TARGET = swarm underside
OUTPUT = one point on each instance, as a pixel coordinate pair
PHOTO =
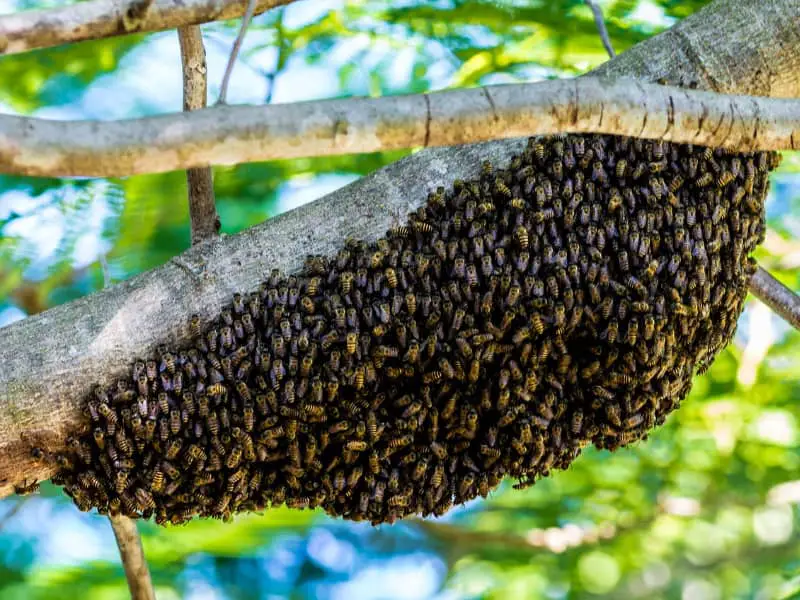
(516, 318)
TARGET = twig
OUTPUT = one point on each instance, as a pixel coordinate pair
(777, 296)
(280, 61)
(238, 134)
(106, 272)
(600, 22)
(133, 560)
(202, 208)
(237, 44)
(97, 19)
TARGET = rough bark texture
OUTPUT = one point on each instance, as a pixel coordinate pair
(98, 19)
(50, 361)
(239, 134)
(200, 182)
(747, 47)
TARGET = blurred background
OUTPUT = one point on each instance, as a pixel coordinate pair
(706, 508)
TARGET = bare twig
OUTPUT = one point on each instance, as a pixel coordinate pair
(237, 44)
(280, 61)
(132, 555)
(777, 296)
(600, 22)
(106, 272)
(238, 134)
(97, 19)
(202, 208)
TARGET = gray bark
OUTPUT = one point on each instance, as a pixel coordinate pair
(199, 180)
(97, 19)
(238, 134)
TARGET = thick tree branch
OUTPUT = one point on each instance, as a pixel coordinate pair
(133, 560)
(202, 209)
(777, 296)
(764, 60)
(49, 362)
(239, 134)
(98, 19)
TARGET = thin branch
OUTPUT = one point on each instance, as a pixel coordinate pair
(202, 208)
(51, 361)
(106, 271)
(600, 22)
(238, 134)
(777, 296)
(133, 560)
(237, 44)
(98, 19)
(281, 59)
(129, 541)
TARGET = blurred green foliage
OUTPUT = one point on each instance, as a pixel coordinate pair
(707, 507)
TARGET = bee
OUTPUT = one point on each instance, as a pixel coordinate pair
(109, 415)
(611, 332)
(521, 235)
(391, 277)
(432, 377)
(704, 180)
(26, 489)
(356, 446)
(632, 332)
(725, 178)
(345, 283)
(99, 437)
(613, 414)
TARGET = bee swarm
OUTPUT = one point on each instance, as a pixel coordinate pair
(517, 317)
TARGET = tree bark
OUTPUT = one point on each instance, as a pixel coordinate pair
(239, 134)
(132, 556)
(99, 19)
(199, 180)
(49, 362)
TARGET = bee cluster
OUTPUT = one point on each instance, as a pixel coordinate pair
(516, 318)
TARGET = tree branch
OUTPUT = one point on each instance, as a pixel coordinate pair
(280, 62)
(698, 52)
(99, 19)
(237, 44)
(202, 210)
(51, 361)
(239, 134)
(777, 296)
(600, 23)
(133, 560)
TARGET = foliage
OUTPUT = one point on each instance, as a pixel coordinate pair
(706, 508)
